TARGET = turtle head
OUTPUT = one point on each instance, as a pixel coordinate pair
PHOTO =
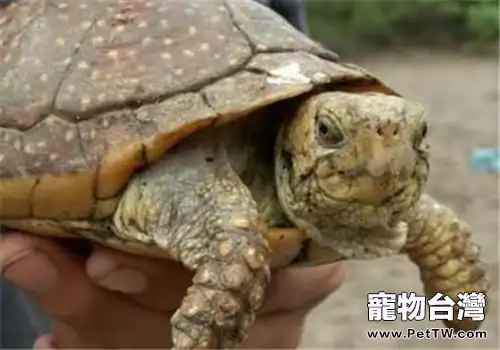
(355, 160)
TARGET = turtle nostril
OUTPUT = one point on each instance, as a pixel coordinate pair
(390, 129)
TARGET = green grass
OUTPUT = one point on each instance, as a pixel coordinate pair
(360, 26)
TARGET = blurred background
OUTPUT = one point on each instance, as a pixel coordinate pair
(444, 54)
(364, 26)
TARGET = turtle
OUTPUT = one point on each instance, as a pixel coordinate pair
(217, 135)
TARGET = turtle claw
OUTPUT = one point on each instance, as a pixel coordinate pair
(214, 315)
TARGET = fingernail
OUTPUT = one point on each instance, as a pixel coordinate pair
(125, 280)
(32, 271)
(338, 275)
(45, 342)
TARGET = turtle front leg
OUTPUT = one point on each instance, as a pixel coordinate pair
(449, 262)
(232, 272)
(192, 205)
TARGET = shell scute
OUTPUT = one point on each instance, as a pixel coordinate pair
(115, 84)
(38, 46)
(136, 53)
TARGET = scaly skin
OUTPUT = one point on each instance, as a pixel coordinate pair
(348, 166)
(349, 170)
(361, 193)
(439, 244)
(193, 205)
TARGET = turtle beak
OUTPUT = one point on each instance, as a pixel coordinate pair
(390, 152)
(393, 162)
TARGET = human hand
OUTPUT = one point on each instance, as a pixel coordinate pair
(117, 300)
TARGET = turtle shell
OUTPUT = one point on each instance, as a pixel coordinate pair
(91, 91)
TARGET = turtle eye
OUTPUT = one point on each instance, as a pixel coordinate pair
(329, 133)
(423, 131)
(421, 134)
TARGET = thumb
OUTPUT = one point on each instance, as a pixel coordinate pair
(45, 342)
(302, 288)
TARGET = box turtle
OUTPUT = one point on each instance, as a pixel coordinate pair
(215, 134)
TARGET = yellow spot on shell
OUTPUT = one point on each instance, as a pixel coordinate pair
(84, 102)
(17, 145)
(146, 41)
(133, 81)
(83, 65)
(29, 149)
(95, 75)
(62, 17)
(85, 24)
(131, 53)
(69, 135)
(97, 40)
(112, 54)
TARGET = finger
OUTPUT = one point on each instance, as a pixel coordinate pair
(45, 342)
(66, 336)
(302, 288)
(281, 330)
(75, 300)
(158, 284)
(24, 263)
(167, 281)
(289, 323)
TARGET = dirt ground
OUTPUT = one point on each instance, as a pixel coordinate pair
(461, 95)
